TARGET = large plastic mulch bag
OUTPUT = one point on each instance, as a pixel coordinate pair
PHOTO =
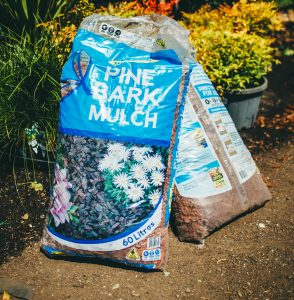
(122, 89)
(216, 179)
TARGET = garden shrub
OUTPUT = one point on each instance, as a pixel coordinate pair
(233, 61)
(234, 44)
(252, 17)
(29, 93)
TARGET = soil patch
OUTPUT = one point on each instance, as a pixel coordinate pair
(250, 258)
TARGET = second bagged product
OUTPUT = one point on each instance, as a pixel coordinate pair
(216, 177)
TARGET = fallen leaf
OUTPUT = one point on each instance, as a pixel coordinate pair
(261, 121)
(290, 117)
(36, 186)
(267, 135)
(25, 216)
(267, 181)
(6, 296)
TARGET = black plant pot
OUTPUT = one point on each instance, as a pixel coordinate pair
(243, 105)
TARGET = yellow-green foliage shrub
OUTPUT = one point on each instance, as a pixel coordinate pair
(235, 44)
(252, 17)
(233, 61)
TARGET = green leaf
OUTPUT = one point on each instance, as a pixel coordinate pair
(73, 209)
(74, 219)
(25, 8)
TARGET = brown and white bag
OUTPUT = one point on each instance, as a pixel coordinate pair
(216, 177)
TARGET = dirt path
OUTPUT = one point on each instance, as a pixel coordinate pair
(241, 260)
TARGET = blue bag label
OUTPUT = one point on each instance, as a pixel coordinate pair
(119, 92)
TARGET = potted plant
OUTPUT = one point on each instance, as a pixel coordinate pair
(234, 44)
(237, 64)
